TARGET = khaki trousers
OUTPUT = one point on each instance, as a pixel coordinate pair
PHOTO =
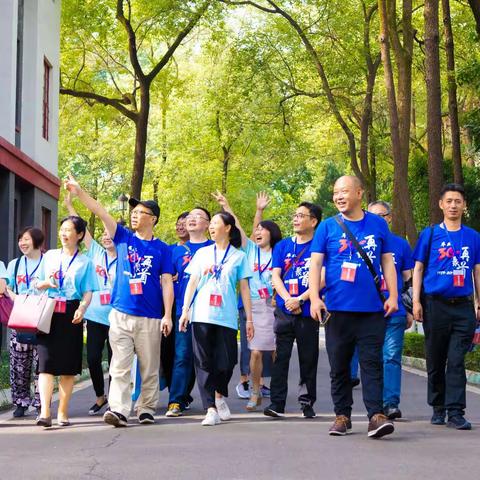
(129, 335)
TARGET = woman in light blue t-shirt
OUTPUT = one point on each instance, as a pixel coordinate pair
(215, 271)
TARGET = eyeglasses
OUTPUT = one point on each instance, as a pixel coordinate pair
(196, 216)
(383, 215)
(141, 212)
(301, 216)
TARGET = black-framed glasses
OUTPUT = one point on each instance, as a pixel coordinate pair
(383, 215)
(301, 216)
(141, 212)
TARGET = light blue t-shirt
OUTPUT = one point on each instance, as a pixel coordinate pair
(3, 271)
(261, 274)
(79, 274)
(105, 269)
(234, 268)
(26, 279)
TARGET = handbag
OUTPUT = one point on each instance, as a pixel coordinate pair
(32, 313)
(6, 306)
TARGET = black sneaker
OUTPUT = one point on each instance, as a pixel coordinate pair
(308, 411)
(114, 418)
(355, 382)
(438, 417)
(96, 409)
(392, 413)
(146, 418)
(20, 411)
(273, 411)
(459, 423)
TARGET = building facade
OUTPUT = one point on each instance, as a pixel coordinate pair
(29, 99)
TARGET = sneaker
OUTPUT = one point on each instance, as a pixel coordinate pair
(222, 409)
(273, 411)
(379, 426)
(265, 391)
(341, 426)
(114, 418)
(96, 409)
(174, 410)
(459, 423)
(308, 411)
(392, 413)
(146, 418)
(20, 411)
(211, 418)
(355, 382)
(243, 390)
(438, 417)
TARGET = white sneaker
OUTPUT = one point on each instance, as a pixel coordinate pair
(211, 418)
(222, 409)
(243, 390)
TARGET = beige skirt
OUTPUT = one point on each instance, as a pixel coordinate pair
(262, 314)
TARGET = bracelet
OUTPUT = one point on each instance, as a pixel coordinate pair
(249, 321)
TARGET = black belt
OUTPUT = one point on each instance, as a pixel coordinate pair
(451, 300)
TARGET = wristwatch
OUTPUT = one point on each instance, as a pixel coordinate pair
(301, 301)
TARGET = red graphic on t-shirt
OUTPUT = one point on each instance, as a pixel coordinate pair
(100, 271)
(344, 244)
(186, 259)
(21, 279)
(445, 253)
(262, 266)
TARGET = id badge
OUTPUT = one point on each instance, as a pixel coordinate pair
(136, 286)
(60, 305)
(383, 285)
(349, 271)
(476, 336)
(105, 297)
(293, 286)
(215, 300)
(458, 278)
(263, 293)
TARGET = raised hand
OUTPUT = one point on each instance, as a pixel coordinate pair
(222, 200)
(72, 185)
(262, 200)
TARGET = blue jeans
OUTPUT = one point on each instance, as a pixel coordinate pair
(182, 366)
(392, 360)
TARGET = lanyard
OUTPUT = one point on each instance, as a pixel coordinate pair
(61, 278)
(134, 265)
(217, 269)
(108, 266)
(260, 270)
(451, 242)
(360, 230)
(27, 276)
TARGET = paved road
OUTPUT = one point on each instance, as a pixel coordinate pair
(250, 446)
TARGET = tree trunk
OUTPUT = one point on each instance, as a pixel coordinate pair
(141, 135)
(434, 113)
(225, 161)
(402, 202)
(452, 94)
(475, 6)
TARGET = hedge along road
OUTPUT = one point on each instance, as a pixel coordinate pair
(249, 446)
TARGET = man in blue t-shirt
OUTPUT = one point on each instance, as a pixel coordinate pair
(291, 262)
(197, 222)
(447, 265)
(141, 300)
(356, 307)
(397, 322)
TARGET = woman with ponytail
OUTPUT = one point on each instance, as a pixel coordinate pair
(211, 305)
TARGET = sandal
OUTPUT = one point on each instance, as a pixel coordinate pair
(252, 403)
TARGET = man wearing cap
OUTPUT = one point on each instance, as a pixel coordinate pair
(141, 296)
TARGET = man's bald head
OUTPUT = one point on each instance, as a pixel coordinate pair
(350, 180)
(348, 194)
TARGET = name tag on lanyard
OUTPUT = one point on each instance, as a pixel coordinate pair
(349, 272)
(105, 297)
(60, 305)
(293, 286)
(459, 278)
(136, 286)
(263, 293)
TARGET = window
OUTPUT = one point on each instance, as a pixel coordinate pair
(47, 73)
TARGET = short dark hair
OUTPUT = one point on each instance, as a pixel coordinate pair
(383, 204)
(314, 209)
(182, 216)
(207, 213)
(79, 224)
(235, 236)
(37, 235)
(453, 187)
(274, 229)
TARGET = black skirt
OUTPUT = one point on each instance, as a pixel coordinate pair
(60, 351)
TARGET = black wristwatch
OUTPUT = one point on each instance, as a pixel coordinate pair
(301, 301)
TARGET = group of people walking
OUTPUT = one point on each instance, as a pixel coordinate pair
(346, 273)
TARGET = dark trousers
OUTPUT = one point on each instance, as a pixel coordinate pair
(343, 332)
(215, 356)
(97, 337)
(449, 332)
(304, 330)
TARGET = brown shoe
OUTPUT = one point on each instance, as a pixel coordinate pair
(341, 426)
(379, 426)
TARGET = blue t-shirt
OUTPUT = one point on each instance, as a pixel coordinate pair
(262, 271)
(182, 255)
(450, 251)
(285, 252)
(375, 238)
(3, 271)
(234, 268)
(78, 274)
(24, 284)
(402, 257)
(105, 268)
(143, 260)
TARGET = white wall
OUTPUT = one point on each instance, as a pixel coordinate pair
(41, 40)
(8, 61)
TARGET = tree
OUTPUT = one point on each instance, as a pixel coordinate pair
(475, 6)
